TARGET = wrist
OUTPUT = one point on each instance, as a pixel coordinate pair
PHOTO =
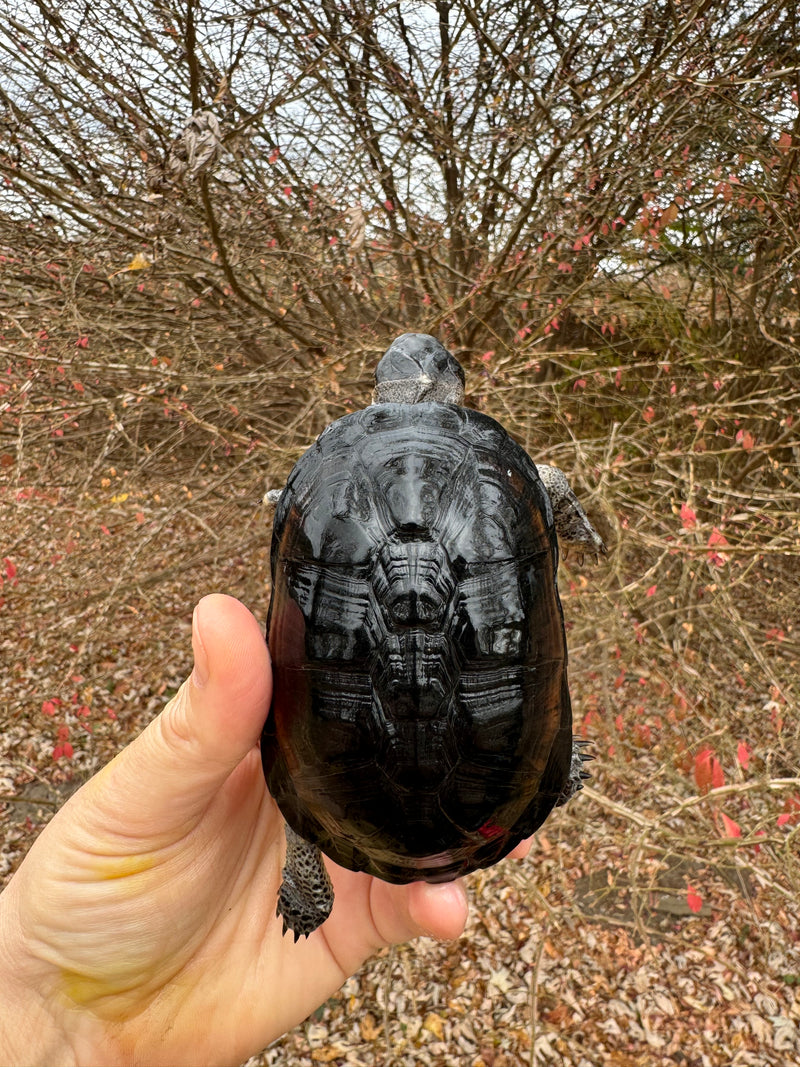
(29, 1029)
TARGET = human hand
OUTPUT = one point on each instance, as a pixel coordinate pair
(141, 926)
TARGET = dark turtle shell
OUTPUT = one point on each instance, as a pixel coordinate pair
(421, 723)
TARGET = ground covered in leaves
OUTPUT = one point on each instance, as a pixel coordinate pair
(655, 921)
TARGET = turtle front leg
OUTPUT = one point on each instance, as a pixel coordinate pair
(305, 897)
(572, 525)
(577, 774)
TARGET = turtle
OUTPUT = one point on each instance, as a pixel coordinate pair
(420, 724)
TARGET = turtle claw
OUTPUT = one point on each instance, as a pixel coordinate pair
(577, 774)
(600, 550)
(286, 926)
(279, 915)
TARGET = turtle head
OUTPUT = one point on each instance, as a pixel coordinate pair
(416, 368)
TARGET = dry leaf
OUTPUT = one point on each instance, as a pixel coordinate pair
(370, 1030)
(139, 262)
(326, 1055)
(434, 1024)
(501, 980)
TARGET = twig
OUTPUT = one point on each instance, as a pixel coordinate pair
(534, 991)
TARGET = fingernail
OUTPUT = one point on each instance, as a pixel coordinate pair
(450, 893)
(449, 898)
(200, 670)
(445, 910)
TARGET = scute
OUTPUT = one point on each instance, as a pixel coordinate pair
(421, 722)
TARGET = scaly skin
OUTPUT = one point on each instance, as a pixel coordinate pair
(306, 894)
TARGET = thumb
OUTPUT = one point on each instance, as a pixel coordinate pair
(173, 768)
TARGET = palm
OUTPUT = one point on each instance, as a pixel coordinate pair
(149, 902)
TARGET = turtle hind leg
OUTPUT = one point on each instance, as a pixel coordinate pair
(577, 774)
(572, 524)
(305, 897)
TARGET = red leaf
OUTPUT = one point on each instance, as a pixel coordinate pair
(82, 342)
(11, 568)
(693, 900)
(69, 751)
(486, 357)
(580, 383)
(707, 771)
(732, 829)
(745, 439)
(651, 591)
(743, 753)
(688, 517)
(717, 538)
(273, 156)
(649, 413)
(48, 707)
(287, 190)
(388, 205)
(791, 811)
(643, 734)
